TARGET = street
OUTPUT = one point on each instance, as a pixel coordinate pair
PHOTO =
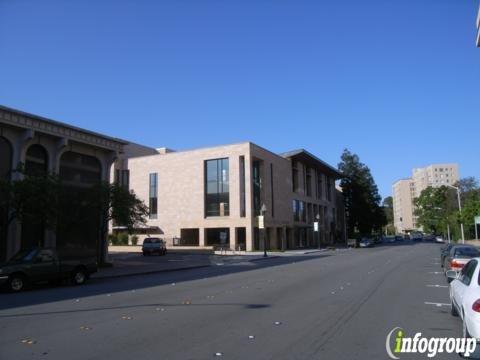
(331, 305)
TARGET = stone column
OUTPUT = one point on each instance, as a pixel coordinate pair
(233, 238)
(201, 237)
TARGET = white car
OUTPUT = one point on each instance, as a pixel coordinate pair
(465, 297)
(439, 239)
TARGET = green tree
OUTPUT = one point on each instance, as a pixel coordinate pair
(117, 204)
(431, 209)
(387, 206)
(362, 201)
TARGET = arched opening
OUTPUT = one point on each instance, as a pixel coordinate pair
(78, 231)
(36, 160)
(6, 154)
(33, 230)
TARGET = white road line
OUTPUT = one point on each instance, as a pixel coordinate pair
(436, 304)
(438, 286)
(436, 272)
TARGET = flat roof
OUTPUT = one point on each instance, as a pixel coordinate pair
(305, 154)
(59, 123)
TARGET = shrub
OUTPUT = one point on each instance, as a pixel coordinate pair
(112, 239)
(123, 239)
(134, 239)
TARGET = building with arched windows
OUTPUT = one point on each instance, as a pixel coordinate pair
(79, 157)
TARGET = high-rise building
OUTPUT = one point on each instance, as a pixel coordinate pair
(478, 28)
(406, 190)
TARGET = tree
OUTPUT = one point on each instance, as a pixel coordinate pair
(362, 201)
(431, 209)
(117, 204)
(387, 206)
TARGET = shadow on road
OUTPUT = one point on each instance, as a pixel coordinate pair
(43, 294)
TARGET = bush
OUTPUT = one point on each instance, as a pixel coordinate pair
(123, 239)
(134, 239)
(112, 239)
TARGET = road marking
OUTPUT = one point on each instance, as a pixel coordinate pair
(436, 272)
(251, 337)
(277, 323)
(436, 263)
(438, 286)
(436, 304)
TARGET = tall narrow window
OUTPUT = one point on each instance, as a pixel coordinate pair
(319, 184)
(271, 190)
(153, 196)
(329, 189)
(309, 181)
(294, 176)
(257, 187)
(217, 191)
(242, 187)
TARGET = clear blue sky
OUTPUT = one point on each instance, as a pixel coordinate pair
(397, 82)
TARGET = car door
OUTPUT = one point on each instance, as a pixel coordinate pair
(44, 267)
(464, 282)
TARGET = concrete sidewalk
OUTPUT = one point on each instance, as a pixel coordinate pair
(134, 263)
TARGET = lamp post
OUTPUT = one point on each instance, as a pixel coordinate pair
(263, 211)
(459, 209)
(316, 228)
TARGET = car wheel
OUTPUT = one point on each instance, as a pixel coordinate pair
(453, 309)
(79, 276)
(17, 283)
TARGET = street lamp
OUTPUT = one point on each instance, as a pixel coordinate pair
(459, 209)
(263, 211)
(316, 229)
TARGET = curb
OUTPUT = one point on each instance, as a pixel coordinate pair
(148, 272)
(265, 258)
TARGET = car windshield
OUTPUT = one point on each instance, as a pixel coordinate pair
(466, 252)
(24, 255)
(151, 240)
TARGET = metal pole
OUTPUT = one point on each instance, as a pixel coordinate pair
(460, 209)
(448, 231)
(476, 232)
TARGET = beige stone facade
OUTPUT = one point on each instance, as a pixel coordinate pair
(406, 190)
(256, 176)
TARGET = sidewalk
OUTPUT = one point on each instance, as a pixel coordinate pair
(129, 261)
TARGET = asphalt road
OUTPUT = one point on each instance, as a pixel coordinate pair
(333, 305)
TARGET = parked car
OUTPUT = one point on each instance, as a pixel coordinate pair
(429, 237)
(439, 240)
(416, 236)
(465, 297)
(366, 243)
(389, 239)
(444, 252)
(44, 265)
(154, 246)
(399, 237)
(458, 256)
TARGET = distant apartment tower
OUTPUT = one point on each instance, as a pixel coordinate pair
(478, 28)
(406, 190)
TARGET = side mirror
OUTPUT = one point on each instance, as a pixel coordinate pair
(451, 275)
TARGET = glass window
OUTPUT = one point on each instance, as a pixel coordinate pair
(309, 182)
(466, 252)
(257, 188)
(319, 185)
(153, 196)
(36, 161)
(217, 192)
(294, 176)
(467, 272)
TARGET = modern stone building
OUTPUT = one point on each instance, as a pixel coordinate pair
(406, 190)
(211, 197)
(80, 157)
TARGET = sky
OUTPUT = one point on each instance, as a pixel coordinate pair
(395, 81)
